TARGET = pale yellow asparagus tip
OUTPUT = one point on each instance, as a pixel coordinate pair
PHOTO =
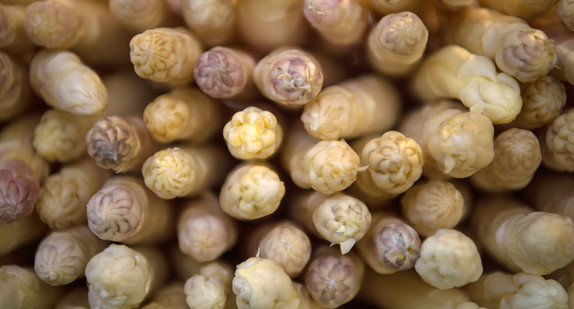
(557, 151)
(251, 192)
(288, 246)
(342, 219)
(53, 24)
(262, 284)
(165, 54)
(205, 292)
(289, 77)
(449, 259)
(395, 161)
(253, 134)
(462, 144)
(433, 205)
(118, 277)
(542, 102)
(65, 83)
(565, 11)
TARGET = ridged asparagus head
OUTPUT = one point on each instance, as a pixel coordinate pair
(111, 141)
(218, 73)
(397, 245)
(19, 190)
(114, 214)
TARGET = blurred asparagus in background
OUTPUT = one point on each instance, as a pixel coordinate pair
(139, 16)
(21, 288)
(214, 21)
(15, 94)
(557, 154)
(13, 38)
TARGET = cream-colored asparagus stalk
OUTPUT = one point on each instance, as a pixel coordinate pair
(128, 93)
(517, 291)
(454, 4)
(306, 301)
(565, 11)
(557, 153)
(185, 170)
(204, 232)
(449, 259)
(385, 7)
(64, 195)
(433, 205)
(333, 279)
(262, 284)
(87, 28)
(396, 44)
(454, 72)
(21, 288)
(340, 23)
(15, 96)
(355, 107)
(542, 102)
(518, 49)
(124, 210)
(522, 239)
(225, 72)
(214, 21)
(252, 190)
(139, 16)
(288, 76)
(171, 296)
(210, 288)
(165, 55)
(120, 143)
(324, 166)
(406, 290)
(62, 256)
(183, 114)
(338, 218)
(65, 83)
(76, 298)
(266, 26)
(13, 38)
(520, 8)
(390, 244)
(517, 156)
(253, 133)
(122, 277)
(61, 136)
(552, 192)
(20, 233)
(285, 243)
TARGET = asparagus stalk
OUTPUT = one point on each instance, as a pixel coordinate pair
(555, 143)
(266, 26)
(338, 218)
(204, 232)
(87, 28)
(352, 108)
(253, 133)
(520, 8)
(385, 7)
(21, 288)
(449, 259)
(224, 72)
(214, 21)
(288, 76)
(15, 95)
(13, 38)
(390, 244)
(20, 233)
(433, 205)
(64, 195)
(139, 16)
(517, 156)
(76, 298)
(183, 114)
(171, 296)
(62, 256)
(184, 171)
(519, 50)
(552, 192)
(340, 23)
(122, 277)
(522, 239)
(454, 72)
(65, 83)
(565, 11)
(128, 93)
(396, 44)
(165, 55)
(521, 290)
(262, 284)
(542, 102)
(124, 210)
(251, 191)
(120, 143)
(333, 279)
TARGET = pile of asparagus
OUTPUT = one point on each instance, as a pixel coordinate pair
(286, 154)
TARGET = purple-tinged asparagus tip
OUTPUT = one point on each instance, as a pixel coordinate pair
(397, 245)
(18, 190)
